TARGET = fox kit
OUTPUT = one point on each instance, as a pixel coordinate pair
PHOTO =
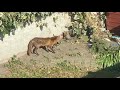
(43, 42)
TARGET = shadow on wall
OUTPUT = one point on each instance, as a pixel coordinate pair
(115, 31)
(109, 72)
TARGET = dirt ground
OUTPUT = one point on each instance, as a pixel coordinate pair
(72, 51)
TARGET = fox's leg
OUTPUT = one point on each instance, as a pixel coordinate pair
(51, 47)
(46, 48)
(35, 50)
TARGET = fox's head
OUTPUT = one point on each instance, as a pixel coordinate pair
(60, 36)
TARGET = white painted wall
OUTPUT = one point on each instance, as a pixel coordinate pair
(14, 44)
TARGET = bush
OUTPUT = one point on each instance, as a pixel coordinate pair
(108, 55)
(9, 21)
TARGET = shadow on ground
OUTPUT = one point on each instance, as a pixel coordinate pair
(109, 72)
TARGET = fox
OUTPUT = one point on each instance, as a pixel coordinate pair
(48, 43)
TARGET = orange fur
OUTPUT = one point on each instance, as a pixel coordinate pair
(43, 42)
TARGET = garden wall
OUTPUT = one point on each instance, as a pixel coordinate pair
(15, 44)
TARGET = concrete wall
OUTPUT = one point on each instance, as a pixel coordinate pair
(14, 44)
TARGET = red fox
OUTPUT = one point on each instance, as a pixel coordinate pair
(49, 42)
(42, 42)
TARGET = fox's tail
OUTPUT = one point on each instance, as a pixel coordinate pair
(29, 48)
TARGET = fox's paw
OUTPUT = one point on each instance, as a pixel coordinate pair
(53, 52)
(37, 54)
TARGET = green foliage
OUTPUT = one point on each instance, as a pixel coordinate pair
(109, 58)
(9, 21)
(99, 46)
(107, 55)
(77, 19)
(80, 24)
